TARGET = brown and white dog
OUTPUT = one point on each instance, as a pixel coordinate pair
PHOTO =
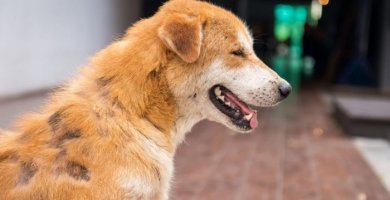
(112, 132)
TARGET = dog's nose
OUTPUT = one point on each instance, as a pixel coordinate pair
(284, 89)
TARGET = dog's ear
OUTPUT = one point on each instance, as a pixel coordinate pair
(183, 35)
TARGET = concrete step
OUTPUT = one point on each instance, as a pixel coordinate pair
(367, 116)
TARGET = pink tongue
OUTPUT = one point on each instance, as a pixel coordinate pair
(244, 108)
(253, 123)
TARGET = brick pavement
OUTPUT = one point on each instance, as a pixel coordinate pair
(297, 153)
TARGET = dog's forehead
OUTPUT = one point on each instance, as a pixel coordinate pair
(238, 25)
(245, 38)
(236, 29)
(239, 30)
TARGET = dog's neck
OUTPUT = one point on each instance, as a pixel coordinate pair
(186, 118)
(140, 87)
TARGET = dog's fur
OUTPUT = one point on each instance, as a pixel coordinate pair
(111, 133)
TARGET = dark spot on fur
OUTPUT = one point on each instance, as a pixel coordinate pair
(9, 156)
(143, 114)
(157, 172)
(60, 162)
(60, 139)
(105, 93)
(97, 114)
(103, 81)
(204, 24)
(61, 154)
(28, 170)
(69, 135)
(117, 103)
(77, 171)
(154, 73)
(54, 121)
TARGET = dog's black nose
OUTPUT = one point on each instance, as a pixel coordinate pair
(284, 89)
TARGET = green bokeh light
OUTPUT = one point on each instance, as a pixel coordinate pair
(284, 13)
(289, 24)
(301, 14)
(282, 31)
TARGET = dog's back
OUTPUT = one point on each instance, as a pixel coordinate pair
(75, 149)
(43, 162)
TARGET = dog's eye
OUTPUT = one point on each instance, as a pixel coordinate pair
(239, 53)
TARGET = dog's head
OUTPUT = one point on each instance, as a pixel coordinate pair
(213, 70)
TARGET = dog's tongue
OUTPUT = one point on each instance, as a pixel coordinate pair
(253, 122)
(244, 108)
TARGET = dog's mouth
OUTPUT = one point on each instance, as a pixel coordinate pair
(229, 104)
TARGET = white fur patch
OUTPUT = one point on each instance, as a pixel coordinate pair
(136, 185)
(253, 84)
(245, 39)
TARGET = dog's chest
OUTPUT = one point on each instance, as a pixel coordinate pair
(146, 183)
(147, 176)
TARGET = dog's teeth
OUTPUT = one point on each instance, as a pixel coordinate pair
(248, 117)
(228, 103)
(218, 91)
(221, 97)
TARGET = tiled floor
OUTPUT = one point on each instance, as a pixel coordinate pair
(377, 153)
(297, 153)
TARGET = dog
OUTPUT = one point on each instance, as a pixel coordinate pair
(112, 131)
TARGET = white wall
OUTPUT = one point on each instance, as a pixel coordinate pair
(43, 42)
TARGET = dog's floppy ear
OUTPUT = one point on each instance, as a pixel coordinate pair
(183, 35)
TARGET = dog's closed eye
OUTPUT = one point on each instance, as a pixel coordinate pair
(239, 53)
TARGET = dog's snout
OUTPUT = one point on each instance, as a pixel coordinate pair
(284, 89)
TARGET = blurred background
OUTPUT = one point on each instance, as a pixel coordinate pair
(329, 140)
